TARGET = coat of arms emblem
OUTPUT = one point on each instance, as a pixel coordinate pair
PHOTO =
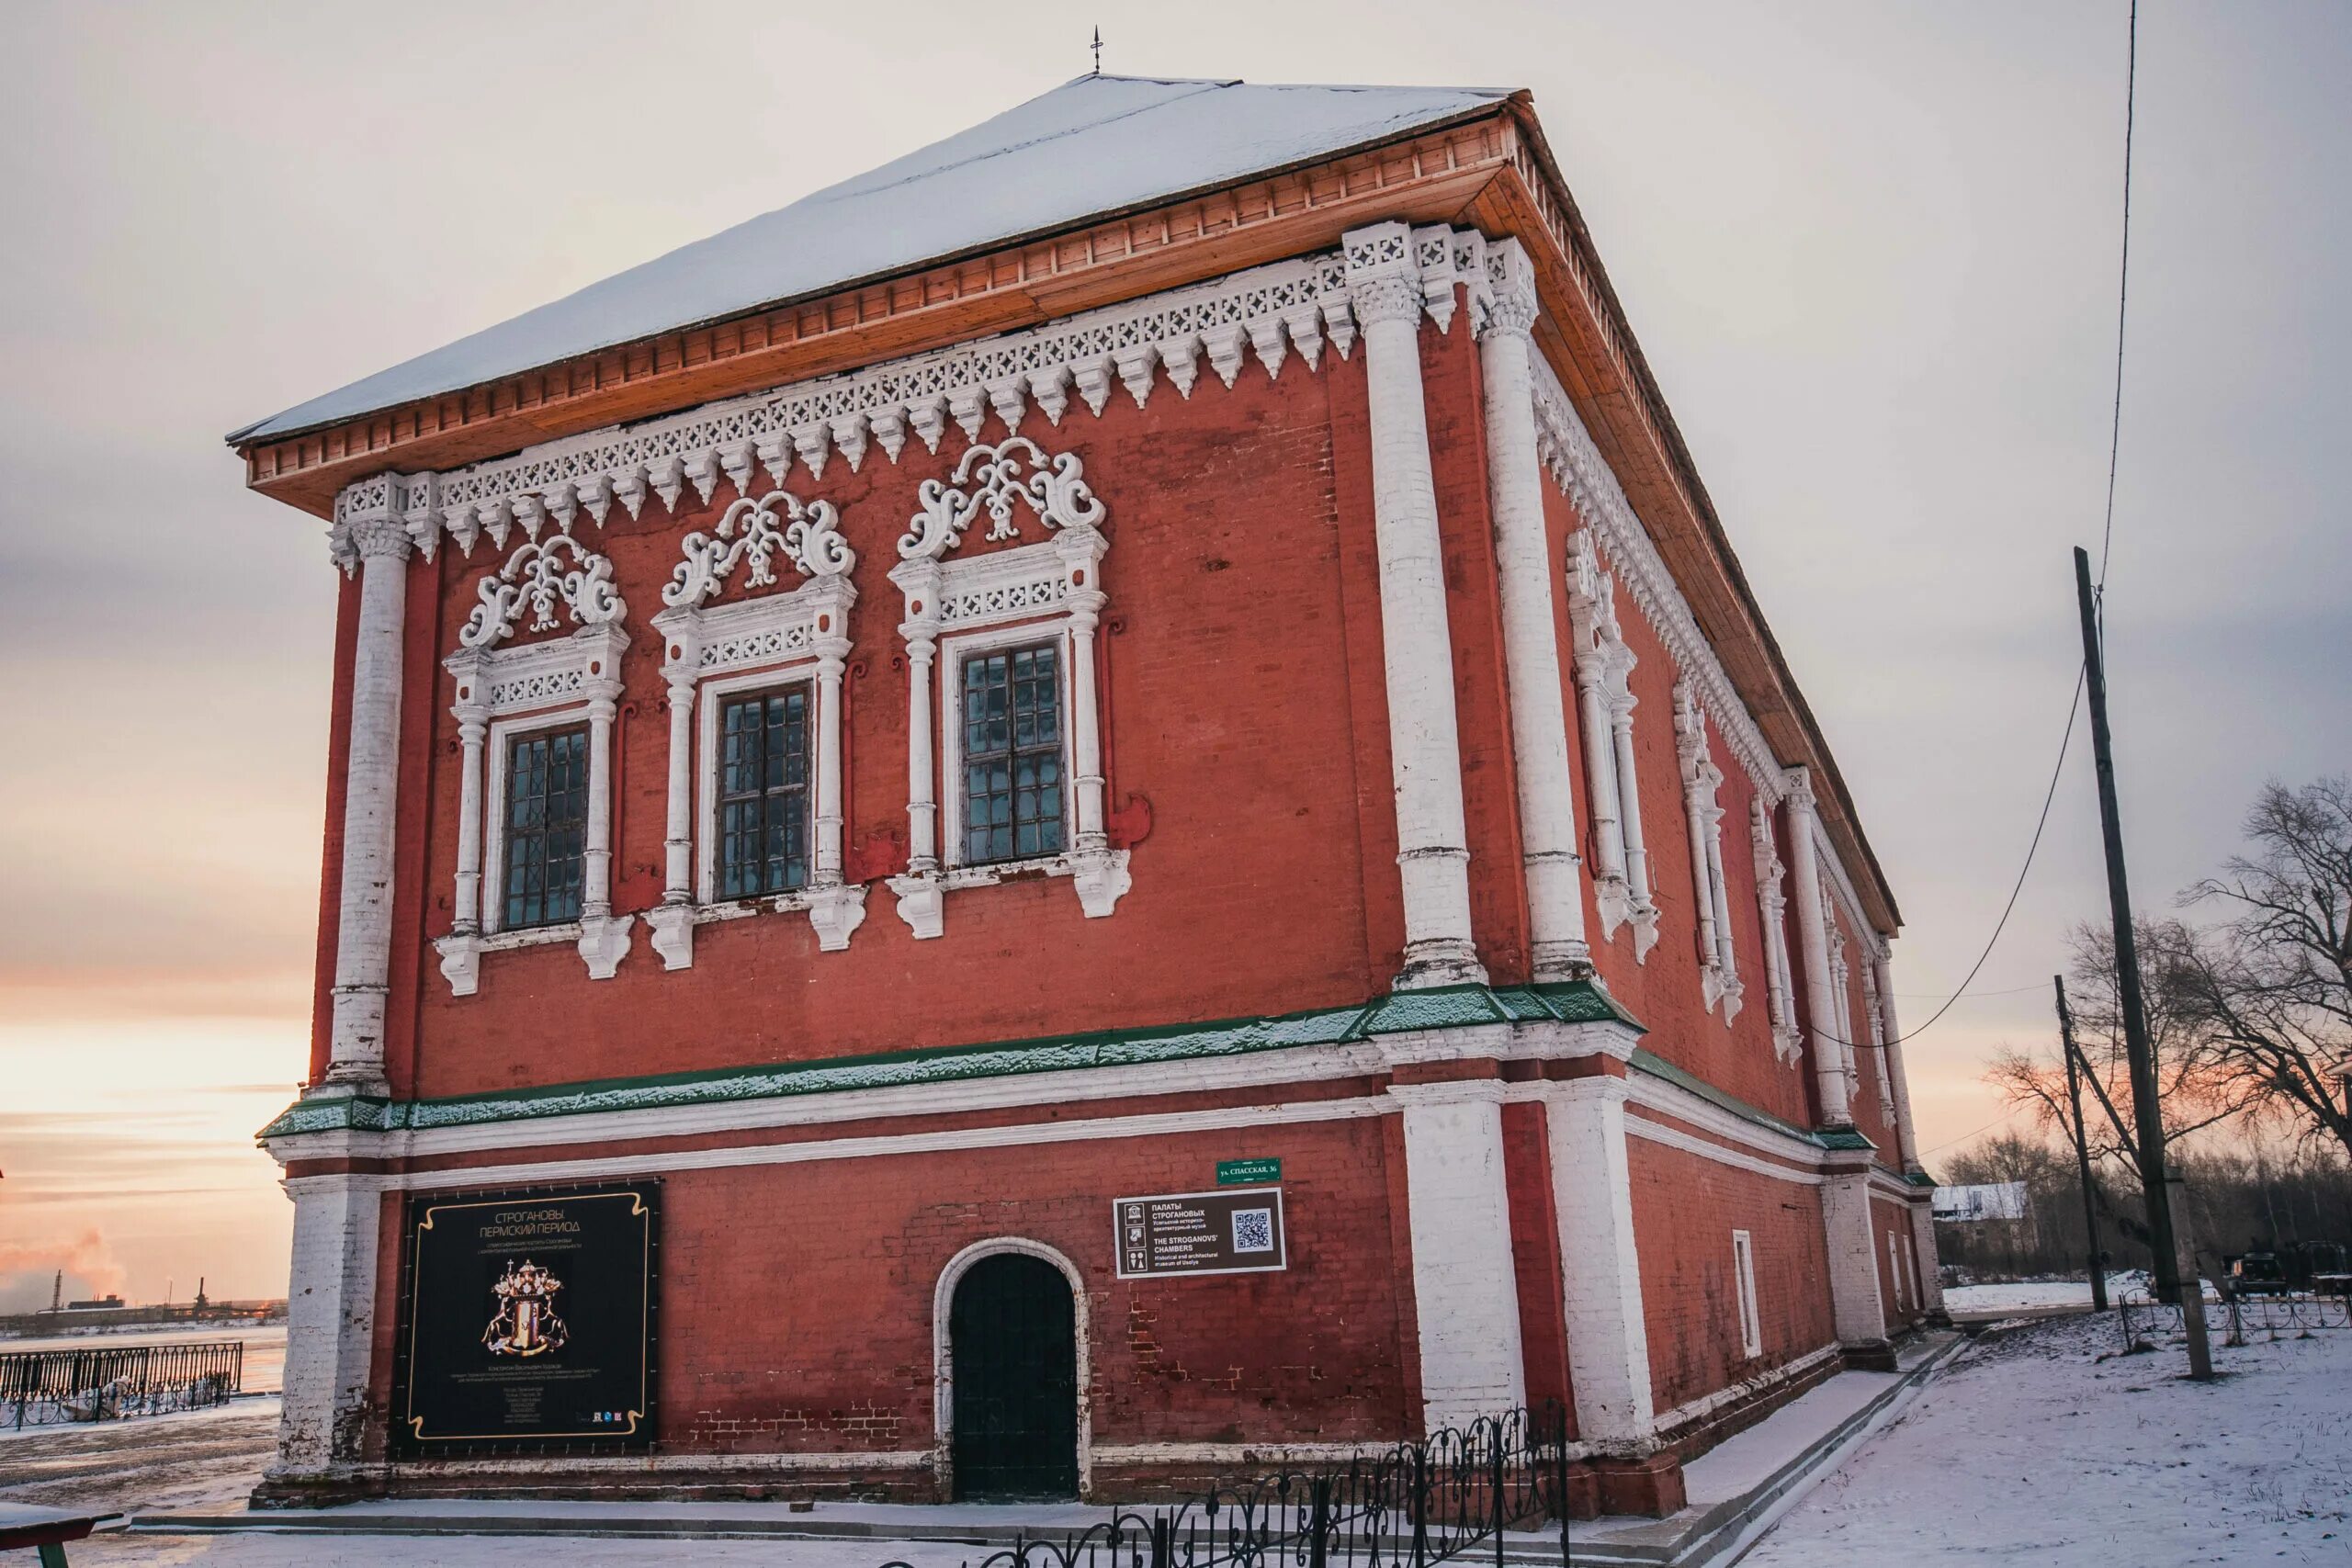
(526, 1324)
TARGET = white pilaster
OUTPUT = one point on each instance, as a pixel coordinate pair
(371, 777)
(1425, 753)
(1465, 1288)
(835, 910)
(1813, 937)
(603, 936)
(920, 892)
(1890, 1038)
(1923, 1240)
(1547, 820)
(330, 1328)
(1608, 1351)
(1856, 1307)
(462, 949)
(671, 924)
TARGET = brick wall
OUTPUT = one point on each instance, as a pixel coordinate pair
(1685, 1208)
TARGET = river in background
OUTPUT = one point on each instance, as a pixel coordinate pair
(265, 1345)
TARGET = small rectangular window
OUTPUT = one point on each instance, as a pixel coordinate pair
(1751, 1324)
(547, 824)
(1012, 754)
(764, 792)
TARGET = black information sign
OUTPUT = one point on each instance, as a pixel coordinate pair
(527, 1321)
(1236, 1231)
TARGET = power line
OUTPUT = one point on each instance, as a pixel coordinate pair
(1988, 1126)
(2123, 290)
(2074, 707)
(2106, 533)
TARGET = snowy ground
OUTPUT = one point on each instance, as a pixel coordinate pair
(2031, 1449)
(2029, 1295)
(2043, 1447)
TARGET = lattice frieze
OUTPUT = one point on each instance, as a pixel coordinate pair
(539, 688)
(1270, 312)
(764, 645)
(1001, 600)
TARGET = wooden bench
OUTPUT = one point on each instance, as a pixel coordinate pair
(45, 1529)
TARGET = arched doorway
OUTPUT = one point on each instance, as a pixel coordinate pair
(1012, 1337)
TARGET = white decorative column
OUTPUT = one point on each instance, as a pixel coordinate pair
(1813, 937)
(920, 895)
(1601, 764)
(1100, 876)
(330, 1332)
(1466, 1287)
(371, 779)
(1425, 752)
(1621, 702)
(1601, 1277)
(1923, 1219)
(671, 923)
(1890, 1038)
(603, 936)
(835, 910)
(1539, 732)
(462, 949)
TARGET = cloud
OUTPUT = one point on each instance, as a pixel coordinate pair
(29, 1273)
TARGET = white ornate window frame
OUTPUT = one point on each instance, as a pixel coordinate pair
(711, 652)
(1751, 1321)
(1603, 664)
(1050, 589)
(1710, 893)
(502, 693)
(1771, 907)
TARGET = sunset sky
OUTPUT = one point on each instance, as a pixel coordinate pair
(1870, 250)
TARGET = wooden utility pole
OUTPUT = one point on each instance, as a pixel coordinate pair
(2147, 1113)
(2075, 1069)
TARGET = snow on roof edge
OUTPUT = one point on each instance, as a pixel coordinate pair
(1429, 107)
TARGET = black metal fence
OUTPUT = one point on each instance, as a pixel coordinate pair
(1407, 1506)
(2142, 1319)
(38, 1387)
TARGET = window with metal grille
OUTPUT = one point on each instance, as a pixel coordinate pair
(1012, 754)
(547, 824)
(764, 792)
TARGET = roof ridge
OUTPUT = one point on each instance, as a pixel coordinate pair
(852, 186)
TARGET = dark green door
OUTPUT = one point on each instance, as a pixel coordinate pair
(1013, 1333)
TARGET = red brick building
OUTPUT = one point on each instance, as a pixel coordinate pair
(1172, 628)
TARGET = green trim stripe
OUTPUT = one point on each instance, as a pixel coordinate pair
(1451, 1006)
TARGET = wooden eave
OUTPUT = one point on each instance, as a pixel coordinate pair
(1488, 169)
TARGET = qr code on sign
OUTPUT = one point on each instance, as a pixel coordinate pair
(1253, 1230)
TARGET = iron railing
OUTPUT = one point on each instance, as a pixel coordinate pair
(1411, 1505)
(38, 1387)
(2142, 1317)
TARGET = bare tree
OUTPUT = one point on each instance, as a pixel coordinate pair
(2264, 998)
(2191, 1096)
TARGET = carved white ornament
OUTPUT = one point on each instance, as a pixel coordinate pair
(1772, 904)
(1718, 959)
(560, 575)
(752, 534)
(710, 651)
(1049, 588)
(1013, 473)
(1270, 311)
(1604, 663)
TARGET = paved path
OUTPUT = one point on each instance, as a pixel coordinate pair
(200, 1458)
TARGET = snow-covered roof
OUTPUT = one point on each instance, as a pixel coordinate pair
(1094, 145)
